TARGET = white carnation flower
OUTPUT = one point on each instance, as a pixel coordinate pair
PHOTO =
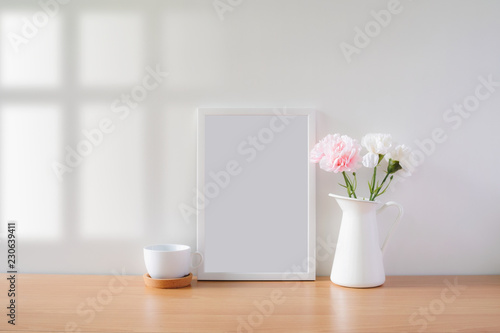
(401, 154)
(370, 160)
(377, 143)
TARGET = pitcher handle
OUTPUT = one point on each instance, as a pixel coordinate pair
(393, 227)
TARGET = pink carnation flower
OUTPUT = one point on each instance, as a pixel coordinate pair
(336, 153)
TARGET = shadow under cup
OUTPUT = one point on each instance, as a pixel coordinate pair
(169, 261)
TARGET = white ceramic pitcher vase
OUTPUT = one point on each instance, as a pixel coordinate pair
(358, 257)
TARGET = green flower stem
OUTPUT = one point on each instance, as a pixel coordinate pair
(372, 185)
(355, 183)
(349, 185)
(385, 189)
(376, 193)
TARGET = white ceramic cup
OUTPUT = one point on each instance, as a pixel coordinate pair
(169, 261)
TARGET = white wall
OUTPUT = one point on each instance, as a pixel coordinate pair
(126, 193)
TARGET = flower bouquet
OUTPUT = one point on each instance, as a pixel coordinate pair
(340, 153)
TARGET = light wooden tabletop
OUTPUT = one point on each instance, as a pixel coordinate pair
(90, 303)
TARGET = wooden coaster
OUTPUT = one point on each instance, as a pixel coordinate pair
(168, 283)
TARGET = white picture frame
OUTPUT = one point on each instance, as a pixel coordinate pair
(256, 194)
